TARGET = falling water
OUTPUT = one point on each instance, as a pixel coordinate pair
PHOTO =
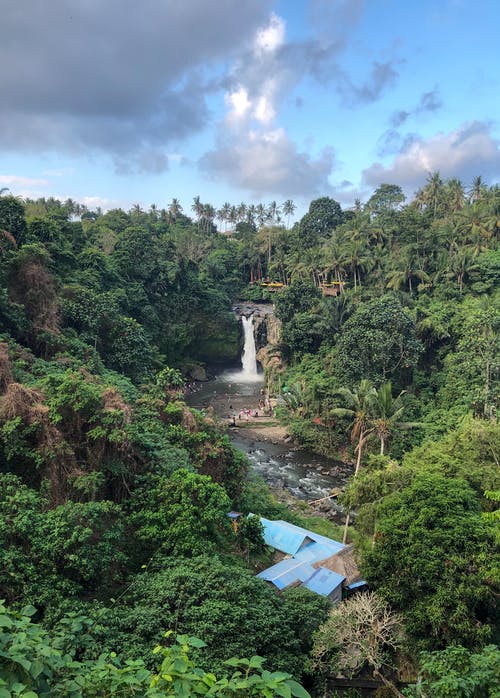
(249, 362)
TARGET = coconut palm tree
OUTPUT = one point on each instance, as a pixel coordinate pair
(224, 213)
(460, 264)
(273, 211)
(250, 214)
(477, 189)
(261, 214)
(359, 408)
(174, 209)
(358, 259)
(288, 208)
(387, 412)
(197, 207)
(455, 194)
(433, 191)
(406, 271)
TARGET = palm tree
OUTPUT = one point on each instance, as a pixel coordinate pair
(460, 264)
(455, 194)
(334, 259)
(476, 224)
(358, 259)
(260, 212)
(250, 214)
(433, 191)
(288, 208)
(273, 211)
(405, 272)
(359, 408)
(197, 207)
(242, 211)
(477, 189)
(387, 413)
(223, 213)
(174, 209)
(233, 215)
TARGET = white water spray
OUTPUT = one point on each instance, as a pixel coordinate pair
(249, 362)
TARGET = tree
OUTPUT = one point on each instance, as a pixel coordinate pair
(456, 672)
(428, 562)
(288, 208)
(12, 218)
(34, 662)
(387, 197)
(220, 602)
(174, 210)
(359, 405)
(300, 296)
(387, 412)
(323, 216)
(384, 337)
(188, 517)
(362, 630)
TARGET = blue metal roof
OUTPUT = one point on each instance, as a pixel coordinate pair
(318, 538)
(291, 539)
(314, 552)
(355, 585)
(283, 538)
(324, 581)
(287, 572)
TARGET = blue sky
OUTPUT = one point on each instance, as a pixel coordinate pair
(121, 102)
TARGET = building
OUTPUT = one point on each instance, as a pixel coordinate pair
(321, 564)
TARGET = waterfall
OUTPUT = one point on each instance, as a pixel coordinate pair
(248, 360)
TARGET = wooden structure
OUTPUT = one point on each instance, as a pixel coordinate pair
(334, 288)
(272, 285)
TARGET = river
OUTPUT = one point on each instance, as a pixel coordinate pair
(305, 474)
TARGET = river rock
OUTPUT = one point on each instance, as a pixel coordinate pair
(198, 373)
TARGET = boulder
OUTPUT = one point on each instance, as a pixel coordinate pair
(198, 373)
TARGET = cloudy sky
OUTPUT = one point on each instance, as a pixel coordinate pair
(119, 102)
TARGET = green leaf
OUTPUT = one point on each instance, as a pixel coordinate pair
(5, 622)
(28, 610)
(196, 642)
(297, 690)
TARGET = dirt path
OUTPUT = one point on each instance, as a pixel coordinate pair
(261, 429)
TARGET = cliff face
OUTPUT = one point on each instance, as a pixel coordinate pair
(267, 332)
(267, 327)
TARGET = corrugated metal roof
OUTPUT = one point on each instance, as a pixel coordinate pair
(287, 572)
(324, 581)
(355, 585)
(314, 552)
(291, 539)
(283, 538)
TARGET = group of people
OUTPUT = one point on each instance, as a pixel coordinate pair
(265, 409)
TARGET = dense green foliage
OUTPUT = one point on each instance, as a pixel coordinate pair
(38, 664)
(114, 495)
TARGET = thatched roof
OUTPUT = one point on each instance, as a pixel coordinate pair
(342, 563)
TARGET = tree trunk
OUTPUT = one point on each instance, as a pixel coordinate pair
(358, 465)
(382, 445)
(360, 448)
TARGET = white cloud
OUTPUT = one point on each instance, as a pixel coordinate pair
(252, 150)
(267, 161)
(239, 104)
(18, 181)
(271, 37)
(469, 150)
